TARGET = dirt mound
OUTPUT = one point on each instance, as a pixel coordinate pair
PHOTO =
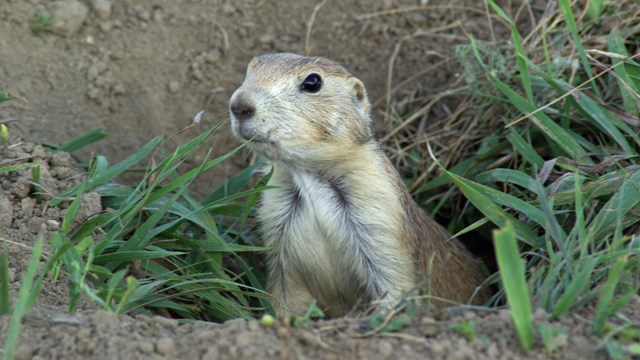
(145, 68)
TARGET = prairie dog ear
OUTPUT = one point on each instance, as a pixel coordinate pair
(252, 63)
(360, 99)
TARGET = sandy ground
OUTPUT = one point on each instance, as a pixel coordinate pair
(144, 68)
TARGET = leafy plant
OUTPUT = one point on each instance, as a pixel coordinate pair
(466, 329)
(41, 23)
(313, 312)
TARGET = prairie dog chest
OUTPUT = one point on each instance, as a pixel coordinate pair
(303, 214)
(305, 220)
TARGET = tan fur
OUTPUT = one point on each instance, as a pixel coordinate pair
(341, 224)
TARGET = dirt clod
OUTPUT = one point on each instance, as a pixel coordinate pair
(165, 346)
(102, 8)
(6, 211)
(68, 17)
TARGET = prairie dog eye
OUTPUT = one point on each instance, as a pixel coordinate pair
(312, 83)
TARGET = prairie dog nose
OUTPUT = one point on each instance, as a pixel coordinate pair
(242, 108)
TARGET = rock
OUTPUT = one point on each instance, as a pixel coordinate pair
(165, 346)
(6, 211)
(23, 353)
(102, 8)
(61, 159)
(63, 173)
(96, 70)
(90, 205)
(105, 26)
(385, 350)
(53, 225)
(165, 323)
(39, 153)
(12, 275)
(68, 17)
(104, 321)
(48, 185)
(173, 86)
(228, 10)
(21, 188)
(34, 224)
(142, 13)
(145, 347)
(27, 206)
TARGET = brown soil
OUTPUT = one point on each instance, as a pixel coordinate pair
(144, 68)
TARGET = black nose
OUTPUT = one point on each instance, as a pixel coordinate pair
(242, 110)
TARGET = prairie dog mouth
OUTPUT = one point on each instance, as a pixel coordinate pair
(247, 133)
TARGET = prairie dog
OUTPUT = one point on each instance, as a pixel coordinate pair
(340, 223)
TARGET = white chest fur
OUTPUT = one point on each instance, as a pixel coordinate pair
(335, 237)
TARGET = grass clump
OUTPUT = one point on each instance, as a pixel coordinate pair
(156, 248)
(548, 153)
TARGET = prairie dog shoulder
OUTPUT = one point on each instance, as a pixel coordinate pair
(342, 225)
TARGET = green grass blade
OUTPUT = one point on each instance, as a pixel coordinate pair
(512, 274)
(521, 56)
(626, 199)
(525, 150)
(102, 177)
(580, 226)
(4, 97)
(190, 175)
(122, 256)
(10, 168)
(488, 207)
(606, 296)
(83, 140)
(561, 136)
(508, 176)
(142, 234)
(21, 307)
(507, 200)
(232, 185)
(632, 69)
(472, 227)
(72, 211)
(5, 303)
(575, 288)
(595, 9)
(616, 45)
(575, 35)
(598, 115)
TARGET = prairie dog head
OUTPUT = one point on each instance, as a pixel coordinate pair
(300, 109)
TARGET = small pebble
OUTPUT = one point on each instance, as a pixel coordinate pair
(53, 225)
(102, 8)
(165, 346)
(145, 347)
(173, 86)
